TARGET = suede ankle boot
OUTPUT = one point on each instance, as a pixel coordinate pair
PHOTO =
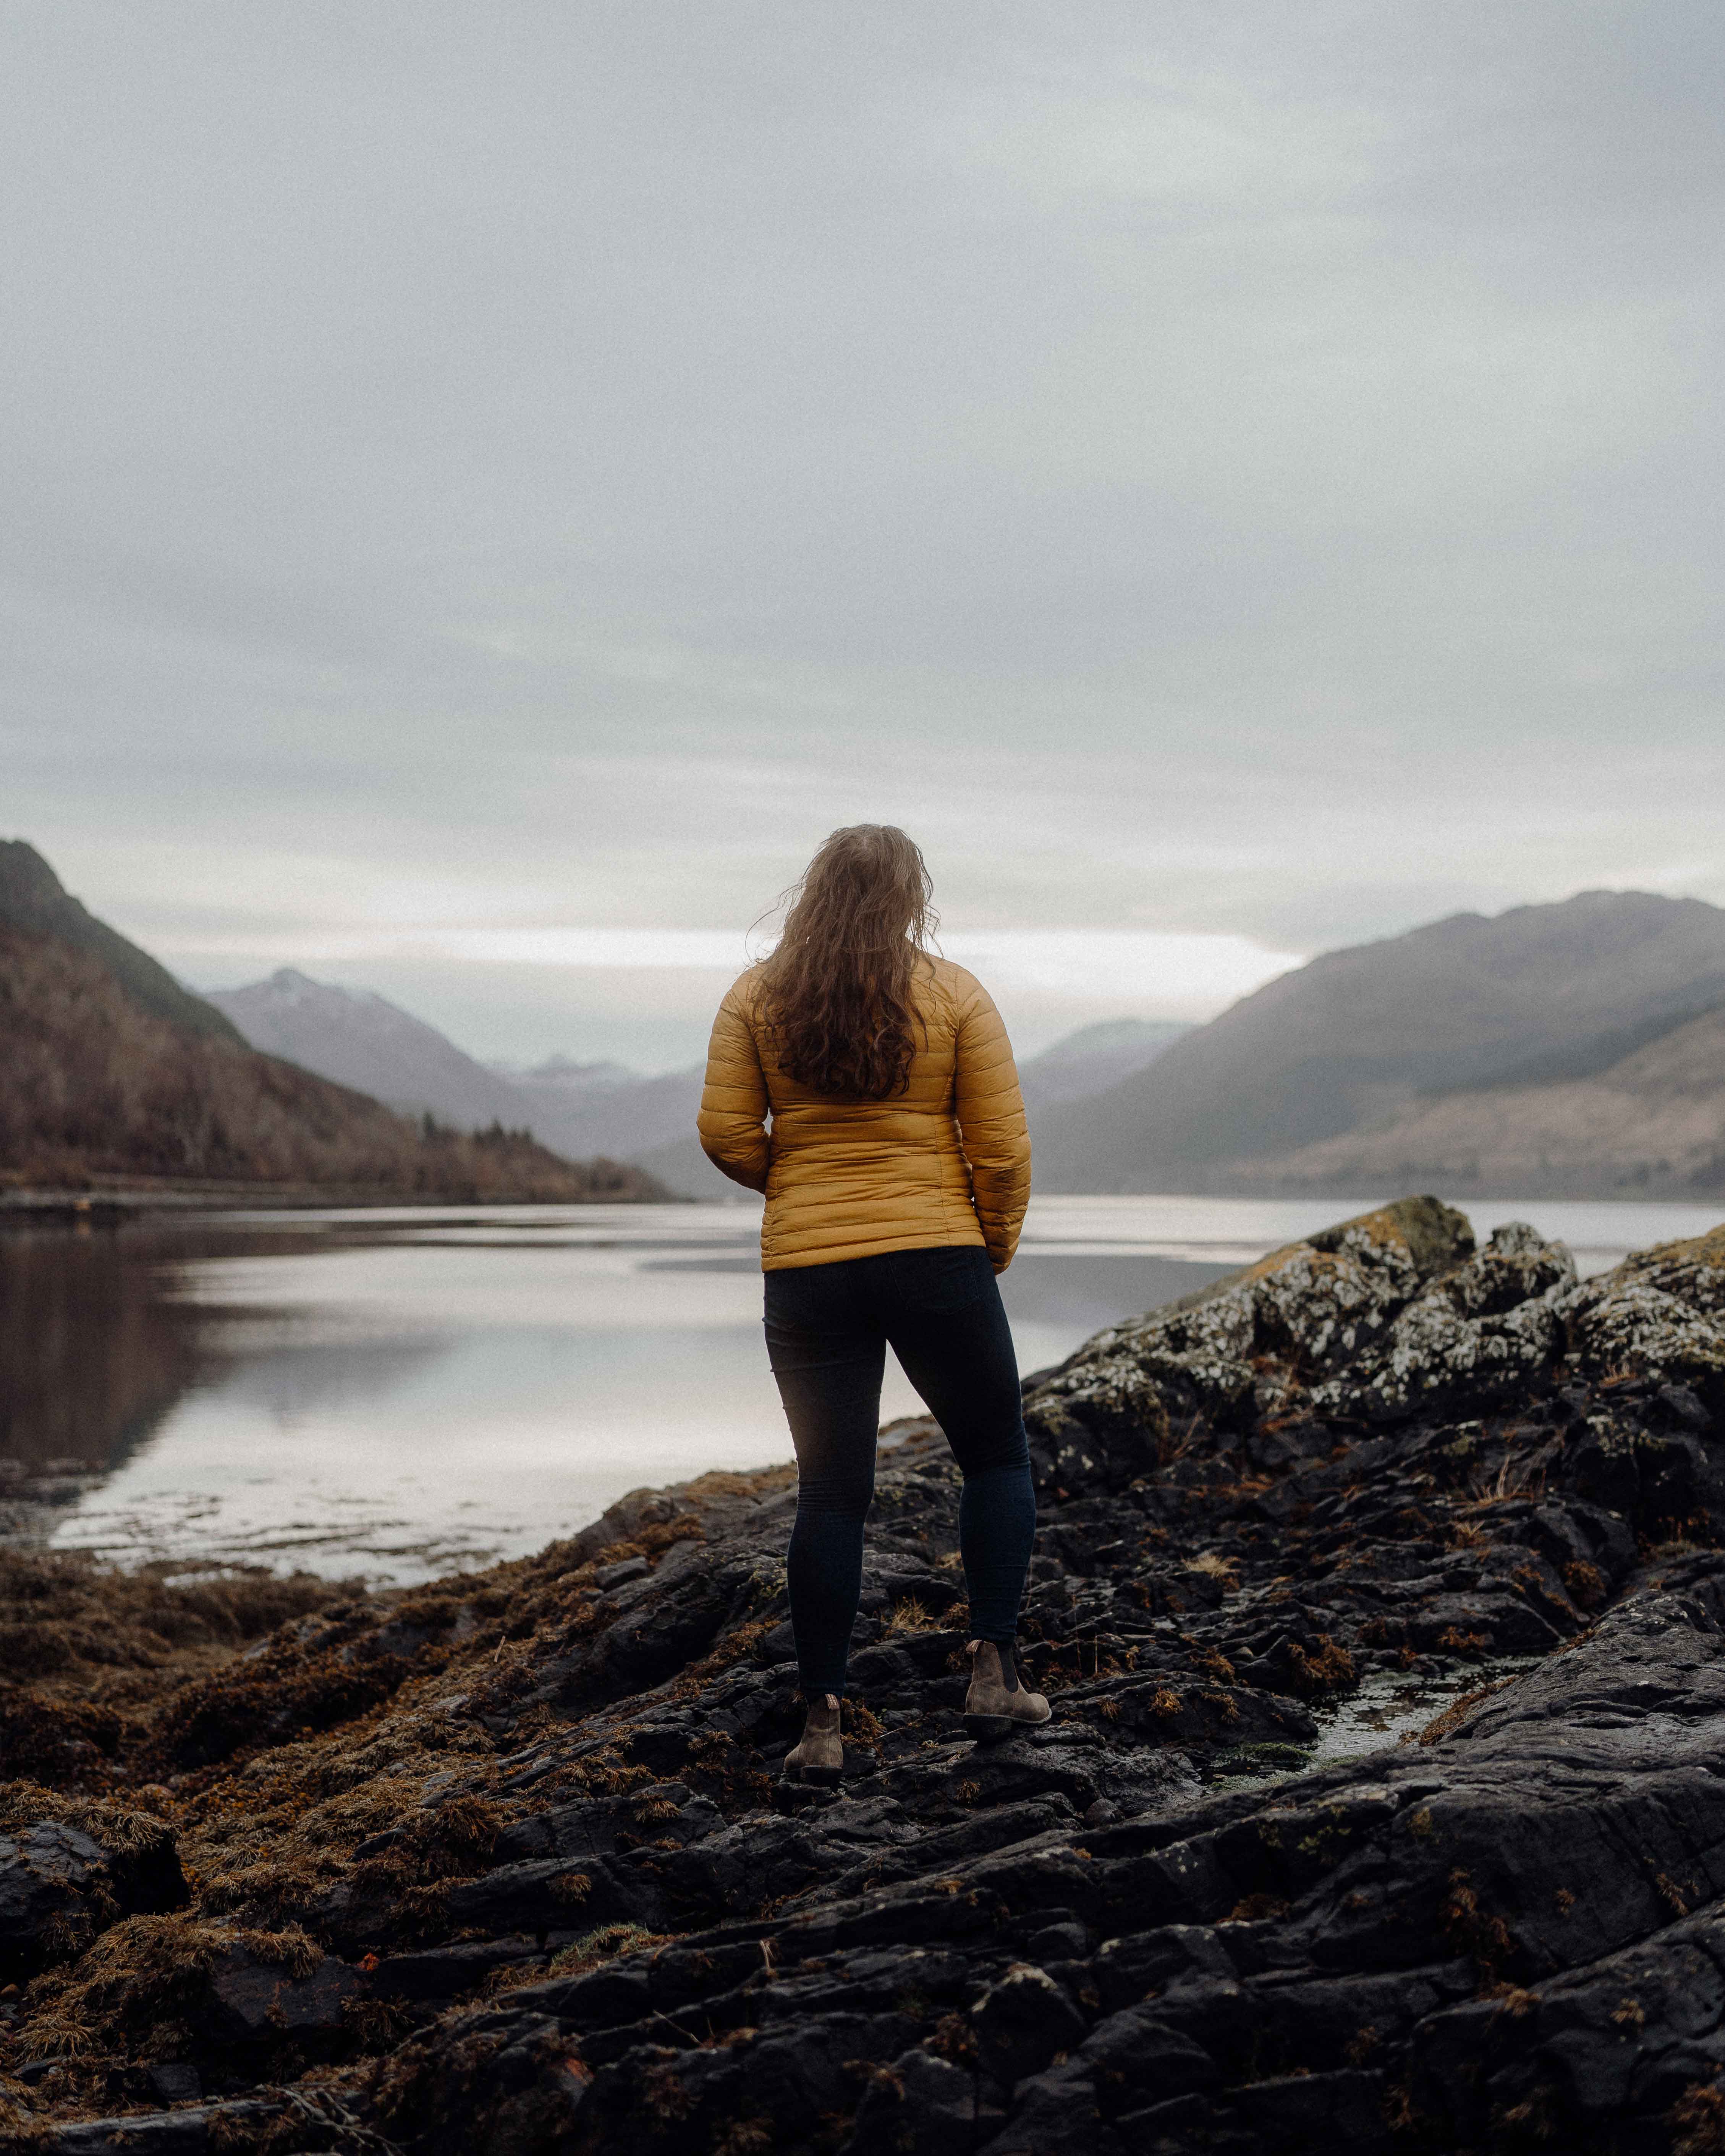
(820, 1758)
(991, 1711)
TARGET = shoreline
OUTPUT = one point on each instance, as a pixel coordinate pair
(105, 1204)
(135, 1197)
(508, 1861)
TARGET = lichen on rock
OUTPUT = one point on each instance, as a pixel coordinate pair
(1369, 1318)
(1195, 1357)
(1661, 1312)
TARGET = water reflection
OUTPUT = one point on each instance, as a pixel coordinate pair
(400, 1393)
(92, 1356)
(291, 1382)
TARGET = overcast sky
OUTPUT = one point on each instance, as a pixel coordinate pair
(484, 472)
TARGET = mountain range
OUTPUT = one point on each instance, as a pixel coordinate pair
(1563, 1050)
(582, 1109)
(111, 1071)
(363, 1041)
(1576, 1049)
(1559, 1049)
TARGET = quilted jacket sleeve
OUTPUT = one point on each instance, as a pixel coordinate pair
(732, 1121)
(991, 1123)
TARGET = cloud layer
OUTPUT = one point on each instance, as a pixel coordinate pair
(1250, 471)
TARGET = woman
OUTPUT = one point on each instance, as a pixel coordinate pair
(895, 1170)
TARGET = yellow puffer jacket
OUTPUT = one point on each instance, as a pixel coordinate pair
(946, 1161)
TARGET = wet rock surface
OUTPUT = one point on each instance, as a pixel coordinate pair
(1380, 1596)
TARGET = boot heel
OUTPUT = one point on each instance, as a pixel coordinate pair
(988, 1728)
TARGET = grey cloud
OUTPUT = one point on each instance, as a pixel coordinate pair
(1252, 467)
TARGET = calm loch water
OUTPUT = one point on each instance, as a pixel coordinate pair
(397, 1393)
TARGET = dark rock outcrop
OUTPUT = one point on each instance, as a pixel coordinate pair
(1381, 1592)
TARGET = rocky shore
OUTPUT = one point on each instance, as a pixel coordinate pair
(1381, 1593)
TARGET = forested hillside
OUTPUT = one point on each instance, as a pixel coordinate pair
(33, 899)
(93, 1086)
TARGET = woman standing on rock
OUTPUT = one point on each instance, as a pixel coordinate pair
(896, 1169)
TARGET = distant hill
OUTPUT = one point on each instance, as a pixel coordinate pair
(1359, 1039)
(363, 1041)
(569, 1079)
(360, 1039)
(33, 899)
(1651, 1125)
(580, 1109)
(1093, 1059)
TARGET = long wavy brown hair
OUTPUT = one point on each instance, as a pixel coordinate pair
(837, 995)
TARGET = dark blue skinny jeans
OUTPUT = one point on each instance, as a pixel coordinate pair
(828, 1329)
